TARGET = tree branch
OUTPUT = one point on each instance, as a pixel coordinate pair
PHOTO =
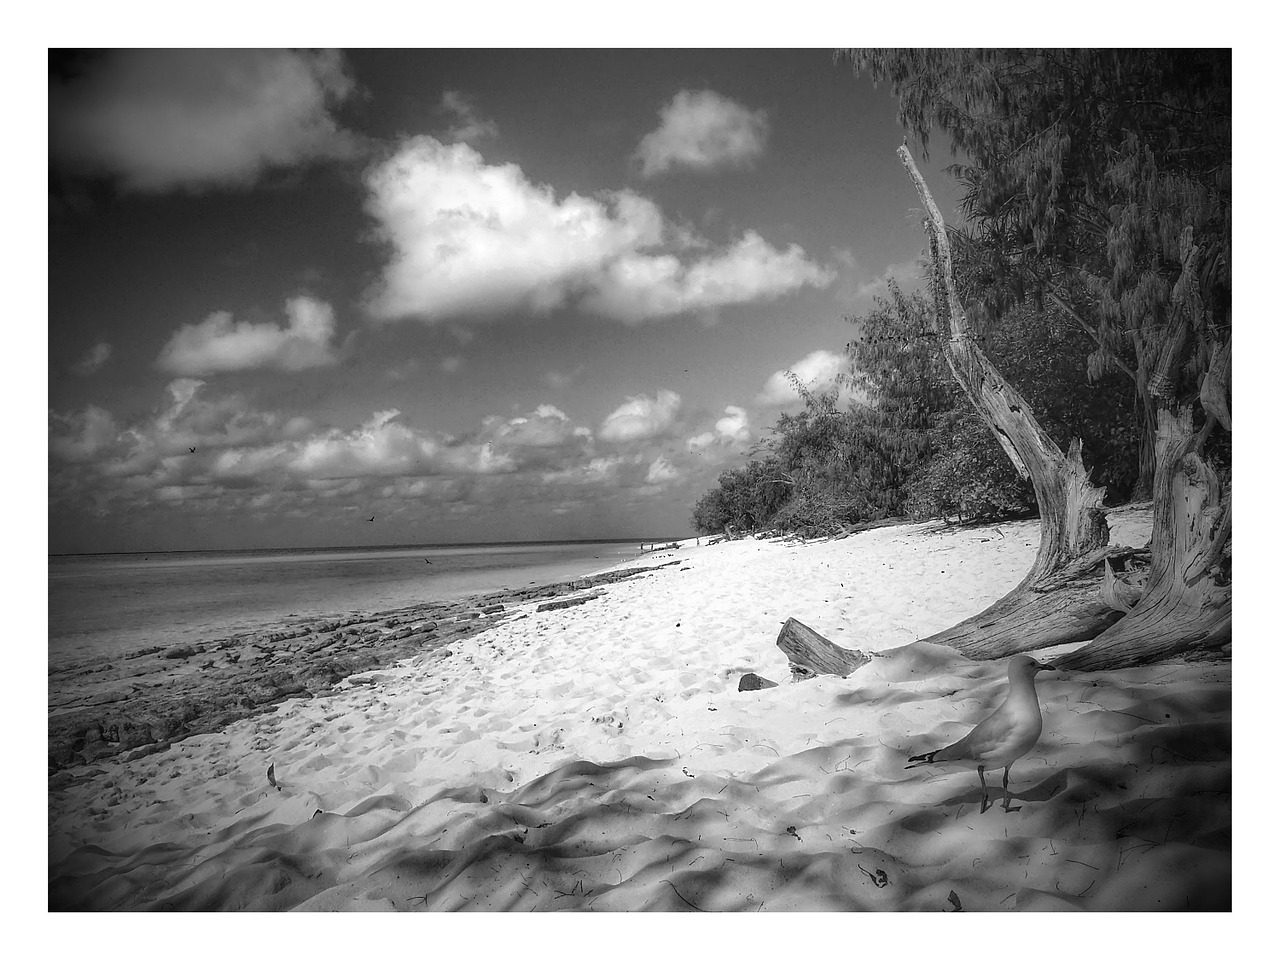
(1066, 308)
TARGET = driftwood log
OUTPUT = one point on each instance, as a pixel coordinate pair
(812, 654)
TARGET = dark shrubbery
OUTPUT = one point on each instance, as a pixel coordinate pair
(910, 443)
(746, 498)
(969, 477)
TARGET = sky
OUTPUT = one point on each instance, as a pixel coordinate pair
(476, 295)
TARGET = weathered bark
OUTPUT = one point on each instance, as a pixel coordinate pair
(1027, 619)
(1143, 488)
(811, 653)
(1186, 605)
(1072, 522)
(1215, 390)
(1116, 593)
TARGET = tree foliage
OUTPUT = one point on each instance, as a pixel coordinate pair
(1097, 179)
(908, 443)
(1094, 262)
(744, 498)
(969, 477)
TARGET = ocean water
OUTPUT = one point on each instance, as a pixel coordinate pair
(111, 604)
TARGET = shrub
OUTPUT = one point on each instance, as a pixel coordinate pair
(969, 477)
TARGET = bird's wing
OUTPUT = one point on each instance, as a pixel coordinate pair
(983, 740)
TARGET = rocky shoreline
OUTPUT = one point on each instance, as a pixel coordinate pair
(142, 703)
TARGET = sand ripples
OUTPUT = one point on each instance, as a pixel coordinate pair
(600, 758)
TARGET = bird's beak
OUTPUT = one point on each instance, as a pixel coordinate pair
(1046, 666)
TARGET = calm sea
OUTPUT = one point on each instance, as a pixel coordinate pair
(108, 604)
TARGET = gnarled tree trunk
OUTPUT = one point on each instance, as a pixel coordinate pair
(1143, 487)
(1185, 605)
(1073, 528)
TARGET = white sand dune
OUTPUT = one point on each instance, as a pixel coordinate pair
(601, 757)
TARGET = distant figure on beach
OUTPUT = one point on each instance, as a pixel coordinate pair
(1003, 737)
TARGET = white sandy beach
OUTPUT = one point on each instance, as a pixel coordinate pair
(601, 757)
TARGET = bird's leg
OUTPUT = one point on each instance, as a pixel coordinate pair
(983, 807)
(1007, 809)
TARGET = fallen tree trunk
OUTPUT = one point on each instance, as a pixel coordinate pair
(1066, 606)
(1027, 619)
(812, 654)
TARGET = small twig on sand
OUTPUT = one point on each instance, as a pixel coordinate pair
(1172, 753)
(1125, 853)
(678, 894)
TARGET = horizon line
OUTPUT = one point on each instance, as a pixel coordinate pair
(379, 546)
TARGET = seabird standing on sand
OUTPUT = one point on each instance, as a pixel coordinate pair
(1003, 737)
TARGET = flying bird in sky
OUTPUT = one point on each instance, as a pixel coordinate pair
(192, 449)
(370, 520)
(1004, 736)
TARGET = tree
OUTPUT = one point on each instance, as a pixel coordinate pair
(968, 476)
(899, 368)
(942, 461)
(745, 498)
(1098, 181)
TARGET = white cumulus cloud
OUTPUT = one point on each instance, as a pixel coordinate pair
(660, 471)
(218, 344)
(159, 120)
(699, 442)
(733, 428)
(546, 426)
(641, 418)
(635, 287)
(817, 372)
(472, 240)
(734, 425)
(701, 129)
(384, 446)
